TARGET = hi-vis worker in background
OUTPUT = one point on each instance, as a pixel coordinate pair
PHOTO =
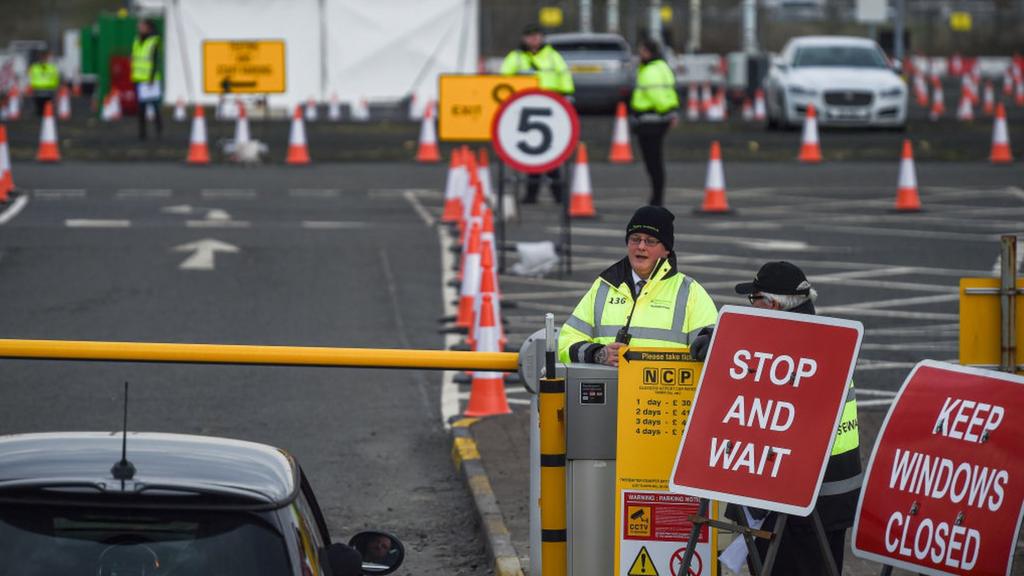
(44, 78)
(146, 74)
(783, 286)
(641, 300)
(535, 57)
(654, 106)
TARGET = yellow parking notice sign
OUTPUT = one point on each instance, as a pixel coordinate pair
(960, 21)
(980, 322)
(550, 16)
(467, 103)
(243, 66)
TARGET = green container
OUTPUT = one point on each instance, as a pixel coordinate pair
(113, 36)
(88, 43)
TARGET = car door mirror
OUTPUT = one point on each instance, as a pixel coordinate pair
(382, 552)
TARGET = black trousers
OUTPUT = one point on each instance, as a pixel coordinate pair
(651, 137)
(533, 186)
(799, 553)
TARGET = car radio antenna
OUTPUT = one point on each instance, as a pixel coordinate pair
(124, 470)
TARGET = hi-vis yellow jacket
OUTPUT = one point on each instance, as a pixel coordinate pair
(669, 312)
(655, 89)
(549, 66)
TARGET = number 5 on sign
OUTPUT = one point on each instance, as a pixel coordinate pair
(535, 131)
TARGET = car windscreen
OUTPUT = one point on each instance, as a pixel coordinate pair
(73, 541)
(852, 56)
(592, 46)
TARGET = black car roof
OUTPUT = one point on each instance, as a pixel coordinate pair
(212, 471)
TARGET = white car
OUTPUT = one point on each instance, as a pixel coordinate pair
(848, 79)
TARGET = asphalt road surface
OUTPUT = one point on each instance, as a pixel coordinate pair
(299, 257)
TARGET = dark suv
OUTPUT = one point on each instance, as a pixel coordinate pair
(175, 505)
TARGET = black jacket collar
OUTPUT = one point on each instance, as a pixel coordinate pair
(621, 272)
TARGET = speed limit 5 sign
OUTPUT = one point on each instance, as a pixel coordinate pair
(535, 131)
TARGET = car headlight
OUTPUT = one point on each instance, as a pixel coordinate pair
(891, 93)
(800, 90)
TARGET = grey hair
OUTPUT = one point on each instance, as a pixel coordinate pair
(790, 301)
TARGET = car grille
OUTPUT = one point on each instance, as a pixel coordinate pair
(848, 98)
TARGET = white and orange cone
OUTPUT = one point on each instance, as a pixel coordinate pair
(311, 111)
(483, 172)
(715, 201)
(416, 112)
(1000, 139)
(488, 286)
(692, 104)
(428, 151)
(360, 110)
(115, 105)
(487, 391)
(705, 98)
(1019, 97)
(907, 199)
(241, 126)
(921, 90)
(13, 104)
(760, 113)
(748, 110)
(470, 279)
(810, 148)
(581, 198)
(965, 110)
(334, 108)
(453, 189)
(6, 177)
(989, 100)
(180, 114)
(621, 151)
(298, 150)
(938, 100)
(198, 152)
(1008, 81)
(63, 104)
(48, 151)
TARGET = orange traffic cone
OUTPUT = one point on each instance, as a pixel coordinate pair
(48, 151)
(692, 104)
(76, 87)
(1008, 81)
(1000, 139)
(965, 111)
(487, 391)
(715, 201)
(810, 149)
(621, 152)
(488, 285)
(311, 112)
(6, 178)
(907, 199)
(483, 172)
(241, 125)
(581, 198)
(748, 110)
(938, 100)
(63, 104)
(298, 152)
(180, 114)
(921, 90)
(470, 279)
(1019, 97)
(453, 189)
(760, 112)
(428, 151)
(115, 105)
(198, 153)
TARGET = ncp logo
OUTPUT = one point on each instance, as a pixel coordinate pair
(668, 376)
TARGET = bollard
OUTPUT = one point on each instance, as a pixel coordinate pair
(1008, 305)
(552, 462)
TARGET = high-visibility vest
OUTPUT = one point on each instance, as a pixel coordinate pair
(143, 52)
(549, 66)
(669, 312)
(44, 76)
(655, 89)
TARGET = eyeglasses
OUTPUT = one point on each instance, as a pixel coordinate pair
(650, 241)
(755, 297)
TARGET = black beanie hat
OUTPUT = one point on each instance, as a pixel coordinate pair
(653, 221)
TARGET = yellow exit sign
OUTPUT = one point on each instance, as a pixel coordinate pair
(243, 66)
(960, 21)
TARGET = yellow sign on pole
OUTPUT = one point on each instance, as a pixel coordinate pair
(980, 330)
(550, 16)
(656, 390)
(243, 66)
(960, 21)
(467, 104)
(666, 14)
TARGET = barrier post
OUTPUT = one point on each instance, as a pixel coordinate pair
(1008, 305)
(553, 523)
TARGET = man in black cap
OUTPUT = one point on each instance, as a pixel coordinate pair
(783, 286)
(641, 300)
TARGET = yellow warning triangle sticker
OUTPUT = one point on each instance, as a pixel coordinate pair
(643, 565)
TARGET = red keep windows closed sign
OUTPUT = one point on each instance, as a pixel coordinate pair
(767, 409)
(945, 483)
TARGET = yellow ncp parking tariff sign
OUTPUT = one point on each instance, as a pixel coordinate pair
(468, 103)
(243, 66)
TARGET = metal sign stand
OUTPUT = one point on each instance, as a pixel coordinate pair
(566, 240)
(774, 536)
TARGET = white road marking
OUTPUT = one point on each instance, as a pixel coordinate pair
(15, 208)
(874, 403)
(332, 225)
(413, 199)
(58, 193)
(95, 223)
(520, 296)
(863, 365)
(144, 193)
(941, 329)
(203, 252)
(513, 401)
(760, 244)
(228, 193)
(183, 209)
(314, 192)
(871, 392)
(900, 314)
(907, 301)
(401, 332)
(226, 224)
(1015, 191)
(946, 345)
(899, 232)
(430, 193)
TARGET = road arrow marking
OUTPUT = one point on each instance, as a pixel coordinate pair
(218, 215)
(179, 209)
(93, 223)
(203, 251)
